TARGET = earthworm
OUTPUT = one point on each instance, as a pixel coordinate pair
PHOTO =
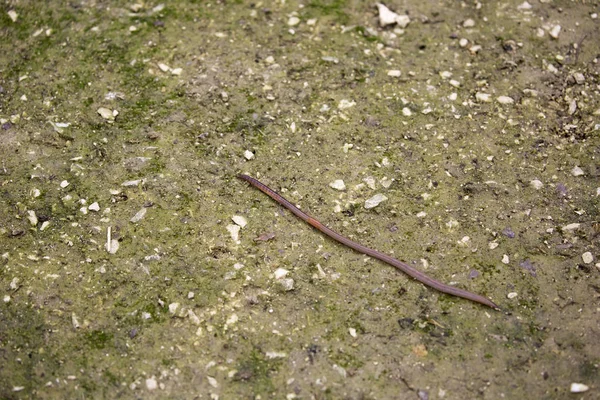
(407, 269)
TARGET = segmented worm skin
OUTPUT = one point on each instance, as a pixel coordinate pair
(407, 269)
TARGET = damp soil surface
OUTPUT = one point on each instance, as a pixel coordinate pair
(133, 263)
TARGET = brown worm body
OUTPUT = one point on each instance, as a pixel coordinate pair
(407, 269)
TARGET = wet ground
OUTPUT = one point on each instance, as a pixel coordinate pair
(124, 124)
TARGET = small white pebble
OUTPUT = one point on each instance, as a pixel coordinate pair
(64, 184)
(151, 383)
(579, 78)
(394, 73)
(293, 21)
(234, 231)
(536, 184)
(512, 295)
(173, 307)
(571, 227)
(190, 295)
(469, 23)
(463, 42)
(374, 201)
(338, 184)
(345, 104)
(164, 67)
(370, 181)
(483, 97)
(455, 83)
(492, 245)
(505, 100)
(287, 284)
(406, 112)
(577, 171)
(505, 259)
(579, 387)
(139, 215)
(587, 257)
(524, 6)
(555, 31)
(239, 220)
(280, 273)
(176, 71)
(33, 219)
(94, 206)
(6, 298)
(12, 14)
(352, 332)
(421, 214)
(248, 155)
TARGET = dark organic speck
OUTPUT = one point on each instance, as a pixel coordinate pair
(509, 233)
(527, 265)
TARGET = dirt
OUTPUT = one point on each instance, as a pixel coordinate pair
(486, 147)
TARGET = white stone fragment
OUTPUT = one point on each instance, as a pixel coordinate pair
(75, 321)
(345, 104)
(374, 201)
(173, 307)
(6, 299)
(571, 227)
(114, 246)
(579, 78)
(421, 214)
(132, 183)
(587, 257)
(386, 182)
(12, 14)
(352, 332)
(139, 215)
(44, 225)
(483, 97)
(370, 181)
(463, 42)
(107, 114)
(445, 74)
(394, 73)
(64, 184)
(406, 112)
(275, 354)
(280, 273)
(577, 171)
(151, 384)
(338, 184)
(524, 6)
(287, 284)
(536, 184)
(212, 382)
(469, 23)
(493, 245)
(33, 219)
(94, 206)
(512, 295)
(505, 100)
(164, 67)
(239, 220)
(505, 259)
(233, 318)
(388, 17)
(234, 231)
(176, 71)
(555, 31)
(579, 387)
(293, 21)
(340, 370)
